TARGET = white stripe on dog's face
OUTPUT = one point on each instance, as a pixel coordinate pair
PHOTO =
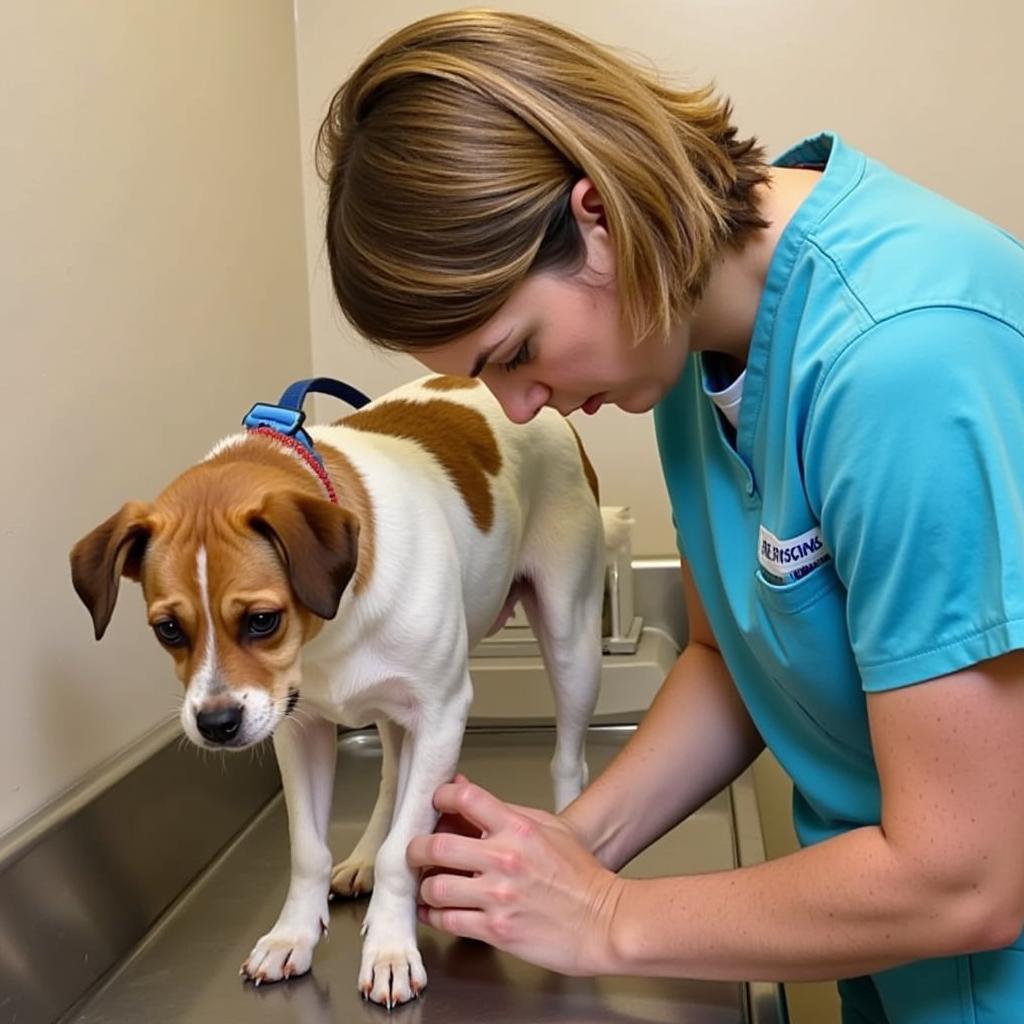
(207, 689)
(204, 683)
(205, 678)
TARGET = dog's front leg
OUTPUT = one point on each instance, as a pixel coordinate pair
(354, 875)
(392, 970)
(306, 753)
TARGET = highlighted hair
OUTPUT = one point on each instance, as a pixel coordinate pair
(450, 154)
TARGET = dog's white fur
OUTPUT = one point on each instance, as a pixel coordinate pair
(397, 654)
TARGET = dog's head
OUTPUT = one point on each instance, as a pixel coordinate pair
(239, 568)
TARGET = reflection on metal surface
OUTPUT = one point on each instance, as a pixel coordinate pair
(187, 969)
(80, 885)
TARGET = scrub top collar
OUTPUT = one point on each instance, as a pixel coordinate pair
(842, 168)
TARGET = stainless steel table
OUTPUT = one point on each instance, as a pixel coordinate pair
(186, 969)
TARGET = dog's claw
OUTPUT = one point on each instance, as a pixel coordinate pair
(392, 978)
(288, 968)
(283, 955)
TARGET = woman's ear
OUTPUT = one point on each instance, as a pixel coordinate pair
(588, 210)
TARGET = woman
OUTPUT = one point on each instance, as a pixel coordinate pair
(835, 360)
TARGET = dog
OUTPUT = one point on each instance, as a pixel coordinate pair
(361, 579)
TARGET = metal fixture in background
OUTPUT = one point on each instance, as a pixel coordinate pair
(621, 627)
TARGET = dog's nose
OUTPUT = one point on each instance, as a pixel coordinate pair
(219, 725)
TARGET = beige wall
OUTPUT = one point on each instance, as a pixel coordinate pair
(153, 287)
(931, 88)
(154, 276)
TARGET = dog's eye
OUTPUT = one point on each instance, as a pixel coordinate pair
(169, 632)
(262, 624)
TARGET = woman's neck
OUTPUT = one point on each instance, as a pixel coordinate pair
(724, 320)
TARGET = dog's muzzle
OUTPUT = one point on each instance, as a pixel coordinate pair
(221, 725)
(226, 726)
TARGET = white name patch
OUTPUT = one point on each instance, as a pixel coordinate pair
(783, 558)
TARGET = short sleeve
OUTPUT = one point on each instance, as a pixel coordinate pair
(914, 462)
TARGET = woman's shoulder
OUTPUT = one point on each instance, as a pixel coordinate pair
(900, 246)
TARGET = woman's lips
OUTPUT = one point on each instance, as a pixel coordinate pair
(593, 403)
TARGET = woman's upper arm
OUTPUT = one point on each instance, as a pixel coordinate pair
(951, 766)
(699, 628)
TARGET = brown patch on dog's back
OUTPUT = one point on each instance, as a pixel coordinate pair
(588, 469)
(451, 383)
(459, 438)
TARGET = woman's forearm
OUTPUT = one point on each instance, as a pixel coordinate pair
(848, 906)
(695, 739)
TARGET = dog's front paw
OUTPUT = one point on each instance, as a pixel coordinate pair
(281, 954)
(391, 976)
(352, 877)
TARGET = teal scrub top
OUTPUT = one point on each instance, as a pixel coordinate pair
(863, 528)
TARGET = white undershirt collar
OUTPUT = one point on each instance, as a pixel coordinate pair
(728, 399)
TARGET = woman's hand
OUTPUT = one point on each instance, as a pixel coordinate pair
(524, 883)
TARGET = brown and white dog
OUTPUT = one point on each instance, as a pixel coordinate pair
(261, 587)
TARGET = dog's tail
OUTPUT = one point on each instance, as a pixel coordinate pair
(618, 528)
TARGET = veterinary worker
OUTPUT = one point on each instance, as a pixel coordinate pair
(835, 361)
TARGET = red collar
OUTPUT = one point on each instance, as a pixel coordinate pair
(303, 452)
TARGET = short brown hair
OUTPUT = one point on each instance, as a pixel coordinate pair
(451, 152)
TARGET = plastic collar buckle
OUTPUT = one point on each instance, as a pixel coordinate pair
(282, 421)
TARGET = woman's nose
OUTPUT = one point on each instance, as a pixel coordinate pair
(520, 401)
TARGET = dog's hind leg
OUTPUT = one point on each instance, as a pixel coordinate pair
(354, 875)
(564, 609)
(306, 753)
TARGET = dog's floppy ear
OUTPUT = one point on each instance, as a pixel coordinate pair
(99, 560)
(318, 542)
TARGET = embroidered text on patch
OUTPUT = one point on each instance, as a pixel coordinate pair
(784, 561)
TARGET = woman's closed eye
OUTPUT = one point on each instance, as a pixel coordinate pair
(521, 356)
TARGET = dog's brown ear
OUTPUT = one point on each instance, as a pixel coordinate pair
(318, 542)
(99, 560)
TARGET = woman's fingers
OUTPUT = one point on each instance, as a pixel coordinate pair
(449, 852)
(467, 924)
(455, 824)
(474, 804)
(458, 891)
(526, 885)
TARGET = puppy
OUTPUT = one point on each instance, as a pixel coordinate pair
(362, 583)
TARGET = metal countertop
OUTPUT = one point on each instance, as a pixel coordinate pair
(186, 969)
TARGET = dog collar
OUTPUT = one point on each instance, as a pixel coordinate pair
(283, 422)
